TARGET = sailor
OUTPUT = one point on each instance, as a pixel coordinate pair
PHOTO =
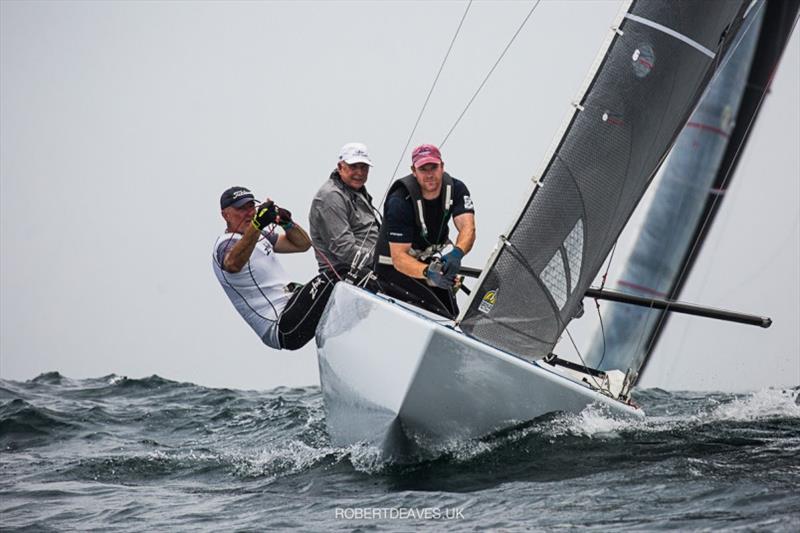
(283, 314)
(343, 222)
(409, 263)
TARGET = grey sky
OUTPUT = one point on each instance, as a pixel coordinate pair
(121, 123)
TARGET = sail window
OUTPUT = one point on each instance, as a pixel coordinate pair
(573, 245)
(554, 278)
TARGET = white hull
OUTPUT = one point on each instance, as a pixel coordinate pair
(396, 379)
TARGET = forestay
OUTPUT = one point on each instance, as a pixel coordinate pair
(691, 188)
(655, 68)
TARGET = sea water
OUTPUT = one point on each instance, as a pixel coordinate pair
(119, 454)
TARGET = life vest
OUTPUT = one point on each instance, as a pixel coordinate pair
(410, 184)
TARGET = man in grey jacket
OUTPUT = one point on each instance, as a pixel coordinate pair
(342, 221)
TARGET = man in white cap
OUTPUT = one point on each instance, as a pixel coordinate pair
(342, 220)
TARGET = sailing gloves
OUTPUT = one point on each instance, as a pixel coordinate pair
(435, 276)
(451, 262)
(285, 219)
(269, 213)
(266, 214)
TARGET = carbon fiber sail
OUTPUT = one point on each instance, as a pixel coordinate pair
(648, 80)
(691, 189)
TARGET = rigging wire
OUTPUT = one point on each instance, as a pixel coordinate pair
(717, 70)
(712, 209)
(464, 111)
(719, 63)
(230, 240)
(597, 302)
(585, 366)
(602, 332)
(221, 266)
(411, 135)
(529, 268)
(478, 90)
(428, 97)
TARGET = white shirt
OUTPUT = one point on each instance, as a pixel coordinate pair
(258, 291)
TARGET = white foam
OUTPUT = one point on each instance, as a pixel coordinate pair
(595, 421)
(767, 403)
(292, 458)
(365, 458)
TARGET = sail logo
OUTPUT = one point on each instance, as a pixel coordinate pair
(488, 301)
(644, 59)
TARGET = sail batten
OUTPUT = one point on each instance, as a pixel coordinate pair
(642, 93)
(672, 33)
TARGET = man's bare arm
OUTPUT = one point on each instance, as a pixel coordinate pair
(293, 241)
(404, 262)
(465, 224)
(240, 252)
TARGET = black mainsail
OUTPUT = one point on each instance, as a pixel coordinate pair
(655, 68)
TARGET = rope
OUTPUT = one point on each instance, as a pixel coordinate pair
(237, 230)
(249, 270)
(585, 366)
(557, 312)
(430, 92)
(719, 64)
(712, 209)
(414, 129)
(502, 54)
(427, 98)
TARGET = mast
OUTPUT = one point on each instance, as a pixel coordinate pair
(691, 190)
(656, 67)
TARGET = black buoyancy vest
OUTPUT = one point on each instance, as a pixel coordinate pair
(410, 184)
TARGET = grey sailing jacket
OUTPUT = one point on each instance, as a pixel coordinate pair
(341, 219)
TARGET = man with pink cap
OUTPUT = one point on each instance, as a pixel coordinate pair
(410, 259)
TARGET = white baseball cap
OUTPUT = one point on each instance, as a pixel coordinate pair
(352, 153)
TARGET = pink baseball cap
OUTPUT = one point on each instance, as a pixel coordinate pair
(424, 154)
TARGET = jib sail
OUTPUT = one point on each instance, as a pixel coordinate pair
(651, 75)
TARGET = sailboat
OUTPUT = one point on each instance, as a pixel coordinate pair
(405, 381)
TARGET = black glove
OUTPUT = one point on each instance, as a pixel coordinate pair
(286, 221)
(435, 276)
(266, 214)
(451, 262)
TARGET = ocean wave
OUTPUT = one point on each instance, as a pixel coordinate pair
(134, 468)
(266, 464)
(23, 424)
(49, 378)
(760, 405)
(287, 459)
(701, 424)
